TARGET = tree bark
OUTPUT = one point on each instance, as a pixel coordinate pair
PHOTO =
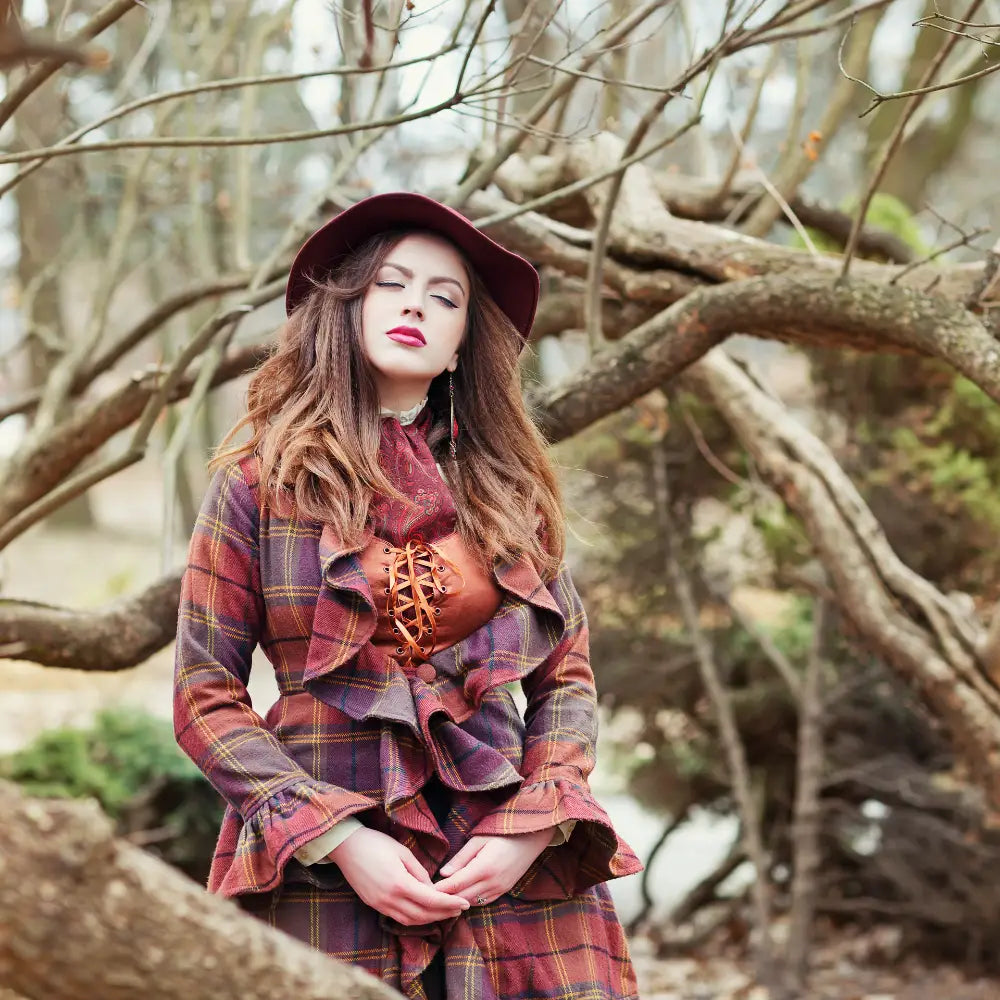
(84, 915)
(115, 638)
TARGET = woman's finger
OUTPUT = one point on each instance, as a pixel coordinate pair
(413, 915)
(475, 871)
(415, 868)
(464, 856)
(409, 913)
(479, 893)
(431, 898)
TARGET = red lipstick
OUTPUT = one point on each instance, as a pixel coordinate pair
(409, 335)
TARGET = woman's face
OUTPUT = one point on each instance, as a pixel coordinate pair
(413, 317)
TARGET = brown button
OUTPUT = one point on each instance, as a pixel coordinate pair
(426, 672)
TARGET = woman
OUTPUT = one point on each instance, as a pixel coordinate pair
(391, 535)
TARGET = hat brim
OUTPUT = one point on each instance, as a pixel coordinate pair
(511, 280)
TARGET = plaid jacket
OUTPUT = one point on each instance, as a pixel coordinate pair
(352, 734)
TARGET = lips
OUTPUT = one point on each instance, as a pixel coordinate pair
(409, 335)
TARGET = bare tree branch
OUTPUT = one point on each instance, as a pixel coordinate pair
(216, 86)
(148, 325)
(114, 638)
(18, 46)
(105, 17)
(807, 814)
(219, 141)
(739, 771)
(25, 501)
(796, 166)
(478, 177)
(893, 143)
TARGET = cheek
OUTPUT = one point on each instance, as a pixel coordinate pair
(460, 321)
(369, 318)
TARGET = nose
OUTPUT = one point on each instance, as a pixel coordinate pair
(415, 308)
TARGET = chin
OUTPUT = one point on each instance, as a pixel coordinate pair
(396, 368)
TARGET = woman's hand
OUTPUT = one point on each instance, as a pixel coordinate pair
(387, 877)
(486, 867)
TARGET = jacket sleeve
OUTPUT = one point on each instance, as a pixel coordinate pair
(220, 619)
(559, 756)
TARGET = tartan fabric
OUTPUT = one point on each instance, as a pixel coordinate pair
(512, 949)
(352, 733)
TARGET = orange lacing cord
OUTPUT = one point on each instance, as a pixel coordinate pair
(412, 568)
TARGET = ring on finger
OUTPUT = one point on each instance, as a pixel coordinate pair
(480, 900)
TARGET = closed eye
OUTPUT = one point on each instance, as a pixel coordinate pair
(447, 301)
(389, 284)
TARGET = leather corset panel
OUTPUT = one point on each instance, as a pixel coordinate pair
(428, 595)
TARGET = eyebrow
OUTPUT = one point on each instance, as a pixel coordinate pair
(437, 280)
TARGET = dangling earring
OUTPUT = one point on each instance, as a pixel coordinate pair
(454, 422)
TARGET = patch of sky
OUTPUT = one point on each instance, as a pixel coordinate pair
(34, 13)
(893, 43)
(434, 136)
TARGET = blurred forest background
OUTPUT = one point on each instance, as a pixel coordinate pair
(766, 356)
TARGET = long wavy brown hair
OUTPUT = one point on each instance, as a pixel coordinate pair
(313, 412)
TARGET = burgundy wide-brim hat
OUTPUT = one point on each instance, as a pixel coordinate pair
(510, 279)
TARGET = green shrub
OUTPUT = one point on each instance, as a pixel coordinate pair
(112, 761)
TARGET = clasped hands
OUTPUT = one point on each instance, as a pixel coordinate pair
(386, 875)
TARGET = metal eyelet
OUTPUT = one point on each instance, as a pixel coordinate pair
(386, 550)
(386, 591)
(399, 649)
(395, 631)
(386, 568)
(437, 611)
(444, 590)
(440, 569)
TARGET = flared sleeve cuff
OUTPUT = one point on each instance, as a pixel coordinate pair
(282, 824)
(593, 853)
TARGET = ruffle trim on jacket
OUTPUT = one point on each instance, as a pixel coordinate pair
(251, 856)
(347, 672)
(593, 853)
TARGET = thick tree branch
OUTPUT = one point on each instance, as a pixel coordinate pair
(803, 308)
(685, 253)
(544, 180)
(117, 637)
(83, 914)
